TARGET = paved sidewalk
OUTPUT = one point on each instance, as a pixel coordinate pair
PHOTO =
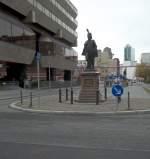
(51, 104)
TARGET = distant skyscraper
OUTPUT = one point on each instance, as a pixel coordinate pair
(129, 53)
(129, 60)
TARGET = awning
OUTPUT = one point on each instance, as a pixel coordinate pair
(14, 53)
(58, 62)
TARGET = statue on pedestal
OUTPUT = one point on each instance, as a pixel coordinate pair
(90, 51)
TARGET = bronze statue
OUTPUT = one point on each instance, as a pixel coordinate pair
(90, 51)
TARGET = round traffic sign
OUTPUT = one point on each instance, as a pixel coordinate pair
(117, 90)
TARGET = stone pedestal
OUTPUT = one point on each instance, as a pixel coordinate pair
(89, 86)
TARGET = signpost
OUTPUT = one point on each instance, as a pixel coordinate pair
(37, 57)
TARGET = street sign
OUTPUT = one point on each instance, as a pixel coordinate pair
(37, 56)
(117, 90)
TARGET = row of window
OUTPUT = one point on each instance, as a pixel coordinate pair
(10, 29)
(72, 6)
(52, 16)
(63, 10)
(70, 52)
(10, 32)
(55, 3)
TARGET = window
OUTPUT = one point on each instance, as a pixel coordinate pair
(5, 28)
(17, 31)
(40, 7)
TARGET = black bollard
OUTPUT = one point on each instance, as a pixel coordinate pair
(60, 101)
(21, 98)
(105, 93)
(97, 97)
(66, 94)
(30, 99)
(71, 95)
(119, 99)
(128, 100)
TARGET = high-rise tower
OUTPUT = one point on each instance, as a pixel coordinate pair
(129, 53)
(129, 60)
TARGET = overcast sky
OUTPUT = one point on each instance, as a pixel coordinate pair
(114, 23)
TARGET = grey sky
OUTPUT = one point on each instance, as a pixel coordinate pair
(115, 23)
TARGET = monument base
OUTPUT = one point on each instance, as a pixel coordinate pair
(89, 86)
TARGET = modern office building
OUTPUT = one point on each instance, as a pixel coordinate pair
(145, 58)
(129, 62)
(129, 53)
(30, 28)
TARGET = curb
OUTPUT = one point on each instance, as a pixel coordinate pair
(103, 114)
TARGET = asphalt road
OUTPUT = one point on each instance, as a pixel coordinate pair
(41, 136)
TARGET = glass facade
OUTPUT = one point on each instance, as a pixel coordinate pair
(127, 53)
(15, 32)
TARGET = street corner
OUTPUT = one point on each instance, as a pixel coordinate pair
(79, 112)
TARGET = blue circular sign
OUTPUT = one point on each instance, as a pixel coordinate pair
(117, 90)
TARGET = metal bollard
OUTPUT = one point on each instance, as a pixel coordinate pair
(119, 99)
(128, 100)
(21, 98)
(97, 97)
(60, 101)
(105, 93)
(66, 94)
(71, 96)
(30, 99)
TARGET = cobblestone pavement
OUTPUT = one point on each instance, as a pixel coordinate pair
(140, 100)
